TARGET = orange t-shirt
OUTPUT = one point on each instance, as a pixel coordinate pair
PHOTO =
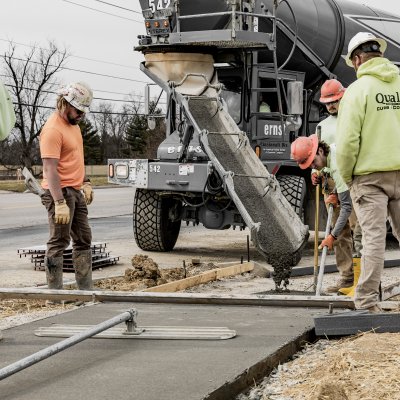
(63, 141)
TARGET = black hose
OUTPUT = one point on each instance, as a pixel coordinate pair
(190, 204)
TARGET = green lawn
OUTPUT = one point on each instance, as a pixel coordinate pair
(19, 186)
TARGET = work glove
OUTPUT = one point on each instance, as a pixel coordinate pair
(62, 215)
(315, 178)
(87, 192)
(332, 199)
(328, 241)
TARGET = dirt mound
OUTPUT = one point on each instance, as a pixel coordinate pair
(146, 273)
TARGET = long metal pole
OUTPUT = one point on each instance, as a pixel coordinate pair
(316, 238)
(324, 251)
(64, 344)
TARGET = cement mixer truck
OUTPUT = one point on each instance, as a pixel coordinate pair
(241, 80)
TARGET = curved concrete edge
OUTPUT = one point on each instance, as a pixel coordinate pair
(261, 369)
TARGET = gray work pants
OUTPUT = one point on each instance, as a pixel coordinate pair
(78, 228)
(375, 197)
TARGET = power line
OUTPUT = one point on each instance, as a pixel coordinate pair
(51, 92)
(122, 8)
(94, 98)
(91, 112)
(95, 90)
(80, 57)
(122, 94)
(103, 12)
(78, 70)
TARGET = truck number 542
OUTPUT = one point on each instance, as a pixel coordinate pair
(155, 5)
(155, 168)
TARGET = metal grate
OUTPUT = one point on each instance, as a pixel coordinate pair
(100, 257)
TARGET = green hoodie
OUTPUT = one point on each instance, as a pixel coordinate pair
(368, 129)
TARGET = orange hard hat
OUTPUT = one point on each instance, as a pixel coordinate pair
(331, 90)
(304, 149)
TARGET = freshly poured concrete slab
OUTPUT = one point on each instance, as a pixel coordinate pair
(155, 369)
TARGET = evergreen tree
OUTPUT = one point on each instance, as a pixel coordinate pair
(136, 135)
(91, 143)
(141, 141)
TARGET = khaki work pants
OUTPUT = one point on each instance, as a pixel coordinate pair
(78, 228)
(375, 197)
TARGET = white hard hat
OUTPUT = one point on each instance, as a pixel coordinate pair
(79, 95)
(361, 38)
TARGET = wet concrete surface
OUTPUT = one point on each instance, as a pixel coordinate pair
(148, 369)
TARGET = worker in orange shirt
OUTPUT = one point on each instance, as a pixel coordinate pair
(67, 189)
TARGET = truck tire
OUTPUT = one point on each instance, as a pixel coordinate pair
(293, 187)
(152, 227)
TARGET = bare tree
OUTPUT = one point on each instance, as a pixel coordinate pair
(111, 126)
(31, 81)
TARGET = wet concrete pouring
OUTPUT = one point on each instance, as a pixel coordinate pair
(255, 194)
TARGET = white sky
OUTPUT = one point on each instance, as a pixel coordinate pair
(392, 6)
(85, 33)
(95, 35)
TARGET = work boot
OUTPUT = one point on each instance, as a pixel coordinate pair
(82, 262)
(341, 283)
(350, 291)
(54, 272)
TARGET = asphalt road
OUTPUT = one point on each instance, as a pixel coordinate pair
(23, 223)
(19, 210)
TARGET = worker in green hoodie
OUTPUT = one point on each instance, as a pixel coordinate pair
(368, 148)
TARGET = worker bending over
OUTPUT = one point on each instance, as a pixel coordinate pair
(309, 152)
(368, 148)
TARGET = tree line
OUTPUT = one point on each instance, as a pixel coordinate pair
(107, 133)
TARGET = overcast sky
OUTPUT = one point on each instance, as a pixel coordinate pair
(100, 43)
(392, 6)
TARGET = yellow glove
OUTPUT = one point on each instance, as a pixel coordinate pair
(62, 215)
(87, 192)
